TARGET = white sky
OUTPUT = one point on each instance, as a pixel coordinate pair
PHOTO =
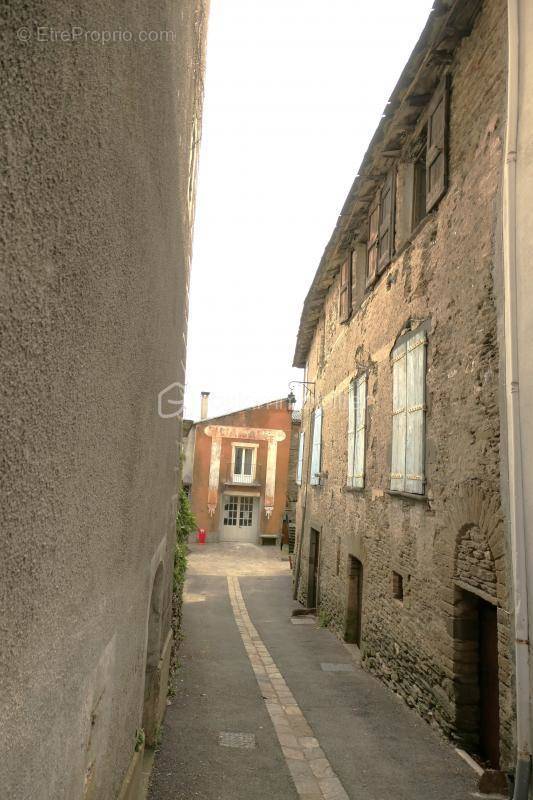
(294, 92)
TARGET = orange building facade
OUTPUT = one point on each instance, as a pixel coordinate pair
(236, 471)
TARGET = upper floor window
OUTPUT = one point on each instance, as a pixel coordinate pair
(408, 413)
(356, 432)
(345, 294)
(299, 468)
(244, 463)
(437, 144)
(316, 448)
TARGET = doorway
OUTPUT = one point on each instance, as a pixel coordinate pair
(239, 518)
(314, 561)
(477, 679)
(354, 608)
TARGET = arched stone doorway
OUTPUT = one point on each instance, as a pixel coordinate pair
(470, 561)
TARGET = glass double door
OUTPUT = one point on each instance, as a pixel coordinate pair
(239, 518)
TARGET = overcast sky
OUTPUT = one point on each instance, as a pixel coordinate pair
(294, 91)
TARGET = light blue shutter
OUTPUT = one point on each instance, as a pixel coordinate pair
(416, 412)
(299, 470)
(399, 417)
(360, 426)
(351, 432)
(315, 456)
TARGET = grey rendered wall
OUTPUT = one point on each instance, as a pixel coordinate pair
(94, 254)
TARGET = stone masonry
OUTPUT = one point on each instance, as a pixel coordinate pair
(445, 277)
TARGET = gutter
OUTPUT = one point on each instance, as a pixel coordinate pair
(516, 489)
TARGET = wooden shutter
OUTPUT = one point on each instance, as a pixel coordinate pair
(345, 297)
(299, 469)
(351, 432)
(399, 417)
(372, 244)
(360, 427)
(437, 145)
(386, 222)
(416, 412)
(316, 452)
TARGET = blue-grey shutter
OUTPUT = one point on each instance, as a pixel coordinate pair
(299, 470)
(416, 411)
(351, 432)
(399, 414)
(360, 427)
(315, 456)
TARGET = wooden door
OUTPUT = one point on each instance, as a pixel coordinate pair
(489, 695)
(314, 560)
(354, 610)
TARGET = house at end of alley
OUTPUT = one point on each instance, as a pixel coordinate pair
(400, 532)
(240, 472)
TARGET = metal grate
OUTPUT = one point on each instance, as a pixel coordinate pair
(245, 741)
(327, 667)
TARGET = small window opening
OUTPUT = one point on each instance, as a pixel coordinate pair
(419, 184)
(397, 586)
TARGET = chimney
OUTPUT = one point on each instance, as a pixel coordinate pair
(203, 408)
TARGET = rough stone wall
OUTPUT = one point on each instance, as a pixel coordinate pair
(94, 262)
(448, 279)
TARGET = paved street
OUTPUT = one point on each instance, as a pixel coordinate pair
(266, 708)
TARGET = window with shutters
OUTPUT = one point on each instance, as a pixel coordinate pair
(408, 413)
(372, 244)
(386, 222)
(437, 145)
(316, 448)
(356, 432)
(299, 468)
(345, 295)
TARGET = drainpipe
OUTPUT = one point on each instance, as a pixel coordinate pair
(297, 567)
(516, 497)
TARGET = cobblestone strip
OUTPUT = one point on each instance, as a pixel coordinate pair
(310, 769)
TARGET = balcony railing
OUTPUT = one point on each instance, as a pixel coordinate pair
(245, 480)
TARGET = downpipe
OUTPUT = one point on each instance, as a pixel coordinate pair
(516, 497)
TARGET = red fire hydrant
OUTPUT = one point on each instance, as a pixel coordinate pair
(201, 535)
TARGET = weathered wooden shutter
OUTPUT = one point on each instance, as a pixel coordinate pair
(372, 244)
(345, 296)
(316, 452)
(299, 470)
(386, 222)
(360, 428)
(437, 145)
(416, 412)
(351, 432)
(399, 417)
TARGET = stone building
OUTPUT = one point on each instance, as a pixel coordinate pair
(237, 466)
(98, 152)
(402, 543)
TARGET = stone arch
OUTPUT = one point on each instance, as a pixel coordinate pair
(153, 654)
(470, 564)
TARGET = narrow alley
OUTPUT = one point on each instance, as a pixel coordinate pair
(269, 706)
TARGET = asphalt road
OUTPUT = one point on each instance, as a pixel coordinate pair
(370, 742)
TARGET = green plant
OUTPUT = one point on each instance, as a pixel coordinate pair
(139, 739)
(185, 520)
(324, 618)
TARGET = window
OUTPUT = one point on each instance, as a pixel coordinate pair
(372, 243)
(386, 222)
(437, 145)
(244, 462)
(356, 432)
(345, 295)
(397, 586)
(299, 468)
(408, 413)
(230, 510)
(246, 507)
(418, 210)
(316, 448)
